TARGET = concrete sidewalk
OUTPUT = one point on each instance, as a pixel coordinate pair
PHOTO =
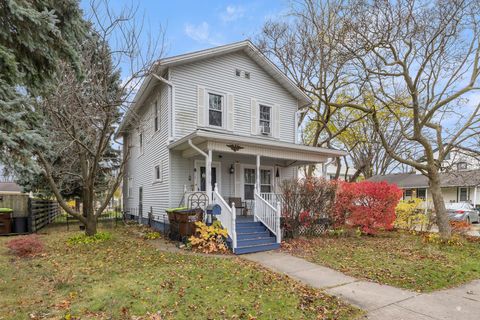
(380, 301)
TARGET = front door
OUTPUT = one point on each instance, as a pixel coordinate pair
(203, 179)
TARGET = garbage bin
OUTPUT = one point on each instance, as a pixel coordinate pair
(20, 224)
(5, 220)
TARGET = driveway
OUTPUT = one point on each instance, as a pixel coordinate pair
(380, 301)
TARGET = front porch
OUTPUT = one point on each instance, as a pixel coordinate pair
(243, 175)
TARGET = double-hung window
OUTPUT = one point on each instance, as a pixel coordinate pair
(215, 110)
(462, 194)
(155, 119)
(265, 119)
(157, 173)
(265, 181)
(249, 184)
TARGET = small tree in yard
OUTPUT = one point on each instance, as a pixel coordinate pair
(367, 205)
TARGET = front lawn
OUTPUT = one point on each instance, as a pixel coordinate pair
(399, 259)
(126, 277)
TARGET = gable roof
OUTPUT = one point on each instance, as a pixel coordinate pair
(246, 46)
(10, 187)
(467, 178)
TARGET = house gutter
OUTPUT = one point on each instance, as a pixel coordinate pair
(171, 118)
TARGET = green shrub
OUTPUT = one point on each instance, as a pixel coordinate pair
(84, 239)
(152, 235)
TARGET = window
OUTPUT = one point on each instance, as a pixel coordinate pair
(129, 187)
(422, 193)
(408, 193)
(247, 75)
(463, 194)
(140, 140)
(265, 181)
(155, 119)
(157, 173)
(215, 110)
(238, 72)
(461, 166)
(447, 156)
(265, 119)
(249, 183)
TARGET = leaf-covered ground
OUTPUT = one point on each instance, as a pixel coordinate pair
(399, 259)
(128, 278)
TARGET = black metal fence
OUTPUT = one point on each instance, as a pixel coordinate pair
(111, 215)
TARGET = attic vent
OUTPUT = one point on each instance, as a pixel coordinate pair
(238, 72)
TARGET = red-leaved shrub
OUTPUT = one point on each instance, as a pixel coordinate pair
(25, 246)
(367, 205)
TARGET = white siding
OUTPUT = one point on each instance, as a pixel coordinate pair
(218, 74)
(141, 166)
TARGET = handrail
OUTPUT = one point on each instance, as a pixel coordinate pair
(268, 215)
(227, 216)
(272, 198)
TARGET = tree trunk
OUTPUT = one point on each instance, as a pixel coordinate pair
(439, 205)
(91, 226)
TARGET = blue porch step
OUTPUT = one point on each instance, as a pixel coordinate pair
(253, 237)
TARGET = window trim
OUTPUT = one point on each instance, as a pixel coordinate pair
(160, 172)
(460, 194)
(270, 121)
(156, 124)
(129, 187)
(464, 165)
(223, 111)
(264, 167)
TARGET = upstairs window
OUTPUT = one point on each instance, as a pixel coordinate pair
(215, 110)
(265, 120)
(155, 117)
(462, 166)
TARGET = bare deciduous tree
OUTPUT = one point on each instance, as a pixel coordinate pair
(81, 115)
(428, 52)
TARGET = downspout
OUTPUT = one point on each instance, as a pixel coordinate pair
(171, 118)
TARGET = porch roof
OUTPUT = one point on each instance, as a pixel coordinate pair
(226, 142)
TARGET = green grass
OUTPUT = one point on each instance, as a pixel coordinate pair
(127, 277)
(399, 259)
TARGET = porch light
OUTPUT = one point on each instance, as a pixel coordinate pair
(232, 170)
(277, 174)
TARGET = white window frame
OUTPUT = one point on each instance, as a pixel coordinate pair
(129, 187)
(248, 166)
(462, 164)
(271, 180)
(460, 194)
(270, 121)
(156, 122)
(223, 111)
(141, 141)
(160, 168)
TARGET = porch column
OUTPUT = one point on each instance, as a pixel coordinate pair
(475, 196)
(258, 173)
(208, 175)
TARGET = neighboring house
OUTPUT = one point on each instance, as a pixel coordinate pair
(457, 186)
(10, 188)
(459, 159)
(329, 171)
(225, 117)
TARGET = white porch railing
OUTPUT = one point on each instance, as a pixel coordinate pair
(227, 217)
(268, 214)
(274, 199)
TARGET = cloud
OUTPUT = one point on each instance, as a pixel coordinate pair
(201, 33)
(232, 13)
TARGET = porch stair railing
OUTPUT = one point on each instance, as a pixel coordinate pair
(275, 199)
(267, 214)
(227, 217)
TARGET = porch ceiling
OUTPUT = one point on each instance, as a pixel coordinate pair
(222, 142)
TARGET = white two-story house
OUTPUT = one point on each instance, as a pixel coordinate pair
(222, 122)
